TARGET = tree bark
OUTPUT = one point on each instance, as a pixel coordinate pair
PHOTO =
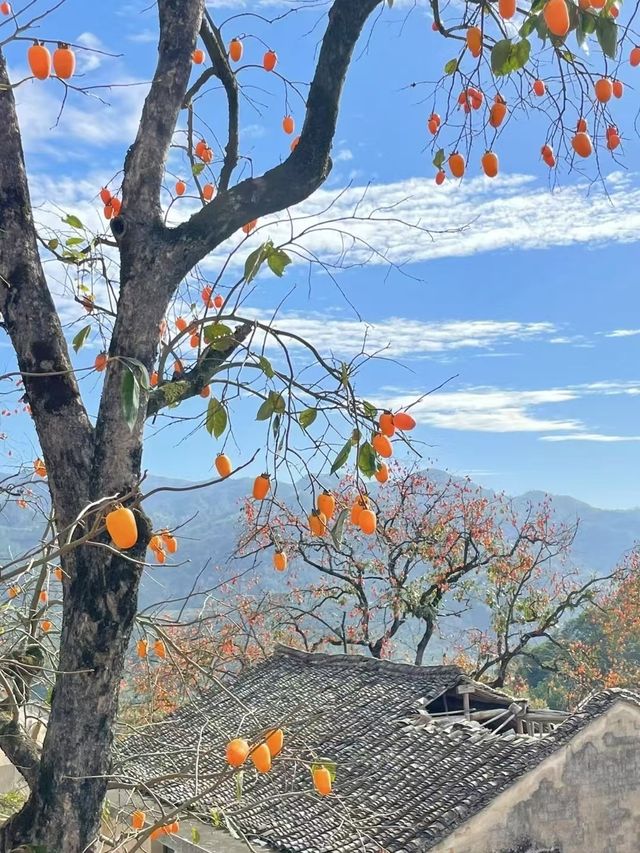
(425, 639)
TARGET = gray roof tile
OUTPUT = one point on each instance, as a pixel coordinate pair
(398, 787)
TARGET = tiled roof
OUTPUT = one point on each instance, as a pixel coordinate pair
(398, 787)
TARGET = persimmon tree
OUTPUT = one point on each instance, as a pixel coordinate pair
(440, 548)
(135, 280)
(597, 649)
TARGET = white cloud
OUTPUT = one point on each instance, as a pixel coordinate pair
(87, 122)
(87, 60)
(343, 155)
(413, 221)
(590, 436)
(622, 333)
(489, 409)
(401, 337)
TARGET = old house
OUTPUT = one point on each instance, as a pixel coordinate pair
(426, 760)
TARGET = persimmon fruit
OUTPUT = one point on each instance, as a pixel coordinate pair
(326, 503)
(456, 164)
(367, 521)
(64, 61)
(322, 781)
(382, 445)
(288, 125)
(197, 56)
(280, 561)
(101, 362)
(404, 421)
(556, 16)
(386, 424)
(261, 486)
(275, 742)
(121, 526)
(490, 164)
(261, 758)
(224, 467)
(474, 41)
(604, 90)
(269, 60)
(235, 50)
(237, 752)
(382, 473)
(581, 144)
(39, 60)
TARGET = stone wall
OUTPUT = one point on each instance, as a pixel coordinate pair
(583, 799)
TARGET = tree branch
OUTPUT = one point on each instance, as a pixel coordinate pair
(305, 169)
(145, 160)
(193, 381)
(216, 50)
(21, 751)
(31, 320)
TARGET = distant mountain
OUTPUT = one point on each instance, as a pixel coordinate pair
(212, 519)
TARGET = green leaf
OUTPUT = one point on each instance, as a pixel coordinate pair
(275, 425)
(500, 54)
(537, 6)
(73, 221)
(277, 260)
(337, 531)
(588, 22)
(438, 160)
(367, 460)
(344, 374)
(541, 28)
(528, 26)
(217, 335)
(369, 409)
(278, 402)
(507, 57)
(521, 53)
(74, 241)
(607, 33)
(216, 419)
(130, 397)
(342, 457)
(451, 66)
(306, 418)
(266, 367)
(195, 835)
(266, 410)
(568, 56)
(197, 169)
(81, 338)
(53, 244)
(255, 260)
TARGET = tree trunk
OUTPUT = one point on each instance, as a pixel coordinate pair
(63, 811)
(430, 624)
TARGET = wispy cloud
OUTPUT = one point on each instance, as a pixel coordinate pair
(84, 124)
(622, 333)
(401, 337)
(591, 436)
(490, 409)
(413, 221)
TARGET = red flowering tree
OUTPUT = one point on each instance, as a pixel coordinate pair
(597, 649)
(441, 548)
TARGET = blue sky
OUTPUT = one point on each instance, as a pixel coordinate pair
(529, 299)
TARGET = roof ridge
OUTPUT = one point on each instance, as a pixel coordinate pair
(365, 661)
